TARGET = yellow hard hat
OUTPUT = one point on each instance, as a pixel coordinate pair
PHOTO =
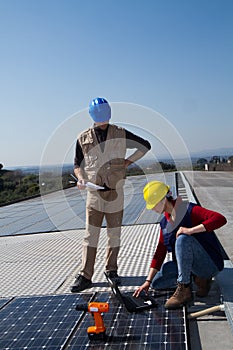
(154, 192)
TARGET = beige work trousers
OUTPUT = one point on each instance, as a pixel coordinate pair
(100, 205)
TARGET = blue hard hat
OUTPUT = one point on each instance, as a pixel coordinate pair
(99, 109)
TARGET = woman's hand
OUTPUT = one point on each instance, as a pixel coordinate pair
(190, 230)
(144, 287)
(183, 231)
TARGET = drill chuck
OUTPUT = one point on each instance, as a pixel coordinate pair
(81, 307)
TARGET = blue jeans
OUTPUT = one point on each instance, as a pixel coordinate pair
(191, 259)
(166, 278)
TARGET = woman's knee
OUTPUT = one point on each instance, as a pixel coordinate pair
(183, 240)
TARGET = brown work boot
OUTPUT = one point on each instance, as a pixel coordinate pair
(181, 297)
(203, 286)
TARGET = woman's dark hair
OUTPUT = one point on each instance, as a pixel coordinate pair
(169, 197)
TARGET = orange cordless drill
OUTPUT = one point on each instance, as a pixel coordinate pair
(96, 332)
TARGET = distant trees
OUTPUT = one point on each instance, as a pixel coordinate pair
(200, 164)
(15, 185)
(149, 169)
(159, 167)
(167, 166)
(202, 161)
(215, 163)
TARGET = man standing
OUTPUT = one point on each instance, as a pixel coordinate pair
(100, 158)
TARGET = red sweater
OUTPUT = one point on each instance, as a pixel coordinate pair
(199, 215)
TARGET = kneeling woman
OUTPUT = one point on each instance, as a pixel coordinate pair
(187, 232)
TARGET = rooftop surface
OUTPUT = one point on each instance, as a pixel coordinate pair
(214, 190)
(41, 253)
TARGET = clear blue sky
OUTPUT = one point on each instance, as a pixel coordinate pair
(172, 56)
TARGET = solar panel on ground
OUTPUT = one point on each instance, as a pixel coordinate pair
(4, 301)
(52, 322)
(154, 329)
(40, 322)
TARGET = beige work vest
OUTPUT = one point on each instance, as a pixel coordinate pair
(106, 167)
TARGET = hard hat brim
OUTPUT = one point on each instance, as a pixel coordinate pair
(150, 206)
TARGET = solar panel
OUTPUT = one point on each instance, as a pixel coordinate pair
(154, 329)
(52, 322)
(3, 302)
(41, 322)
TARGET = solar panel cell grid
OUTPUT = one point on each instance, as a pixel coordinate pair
(39, 322)
(52, 322)
(154, 329)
